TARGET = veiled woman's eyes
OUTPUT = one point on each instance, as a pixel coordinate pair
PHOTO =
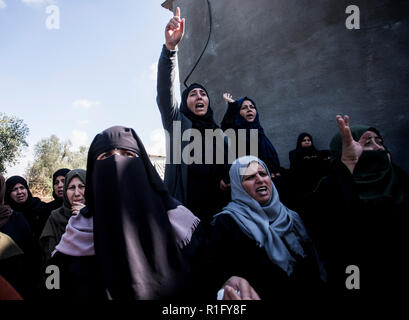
(378, 140)
(121, 152)
(130, 154)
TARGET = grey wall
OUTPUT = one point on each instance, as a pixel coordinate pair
(302, 66)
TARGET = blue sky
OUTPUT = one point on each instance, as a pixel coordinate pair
(97, 70)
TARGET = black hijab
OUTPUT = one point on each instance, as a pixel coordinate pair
(266, 150)
(301, 137)
(59, 172)
(198, 122)
(377, 178)
(10, 184)
(298, 154)
(134, 243)
(57, 202)
(34, 210)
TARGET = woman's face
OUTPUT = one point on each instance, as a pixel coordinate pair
(121, 152)
(248, 110)
(306, 142)
(257, 183)
(197, 101)
(59, 186)
(19, 193)
(371, 141)
(75, 191)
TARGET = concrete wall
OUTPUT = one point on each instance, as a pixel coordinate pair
(302, 66)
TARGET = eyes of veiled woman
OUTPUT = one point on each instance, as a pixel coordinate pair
(121, 152)
(369, 140)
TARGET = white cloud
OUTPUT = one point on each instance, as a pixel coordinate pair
(78, 138)
(157, 143)
(84, 103)
(2, 4)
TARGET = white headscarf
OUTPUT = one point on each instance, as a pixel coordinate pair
(276, 228)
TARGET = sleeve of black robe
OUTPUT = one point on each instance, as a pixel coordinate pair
(229, 118)
(28, 265)
(165, 98)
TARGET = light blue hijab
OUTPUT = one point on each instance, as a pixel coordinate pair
(277, 229)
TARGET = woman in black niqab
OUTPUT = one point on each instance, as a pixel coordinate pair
(135, 245)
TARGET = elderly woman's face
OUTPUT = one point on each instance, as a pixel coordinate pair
(257, 183)
(19, 193)
(75, 191)
(197, 101)
(121, 152)
(248, 111)
(371, 141)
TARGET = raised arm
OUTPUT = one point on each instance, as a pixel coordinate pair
(351, 149)
(231, 112)
(167, 65)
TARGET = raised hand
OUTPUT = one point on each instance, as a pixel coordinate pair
(228, 97)
(174, 31)
(351, 149)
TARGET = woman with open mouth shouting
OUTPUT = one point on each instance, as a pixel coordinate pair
(256, 237)
(193, 177)
(243, 114)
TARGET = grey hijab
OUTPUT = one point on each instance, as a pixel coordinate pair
(275, 228)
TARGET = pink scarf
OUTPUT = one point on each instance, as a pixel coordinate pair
(78, 239)
(183, 223)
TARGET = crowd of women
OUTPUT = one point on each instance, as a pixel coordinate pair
(252, 228)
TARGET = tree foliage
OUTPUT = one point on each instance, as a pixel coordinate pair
(51, 154)
(13, 132)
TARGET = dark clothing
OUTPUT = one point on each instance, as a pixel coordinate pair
(135, 246)
(266, 151)
(307, 167)
(54, 205)
(231, 252)
(58, 220)
(79, 278)
(350, 231)
(22, 271)
(36, 213)
(34, 210)
(52, 232)
(203, 197)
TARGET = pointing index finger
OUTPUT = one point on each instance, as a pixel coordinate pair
(178, 12)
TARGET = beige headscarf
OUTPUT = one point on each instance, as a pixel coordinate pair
(8, 248)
